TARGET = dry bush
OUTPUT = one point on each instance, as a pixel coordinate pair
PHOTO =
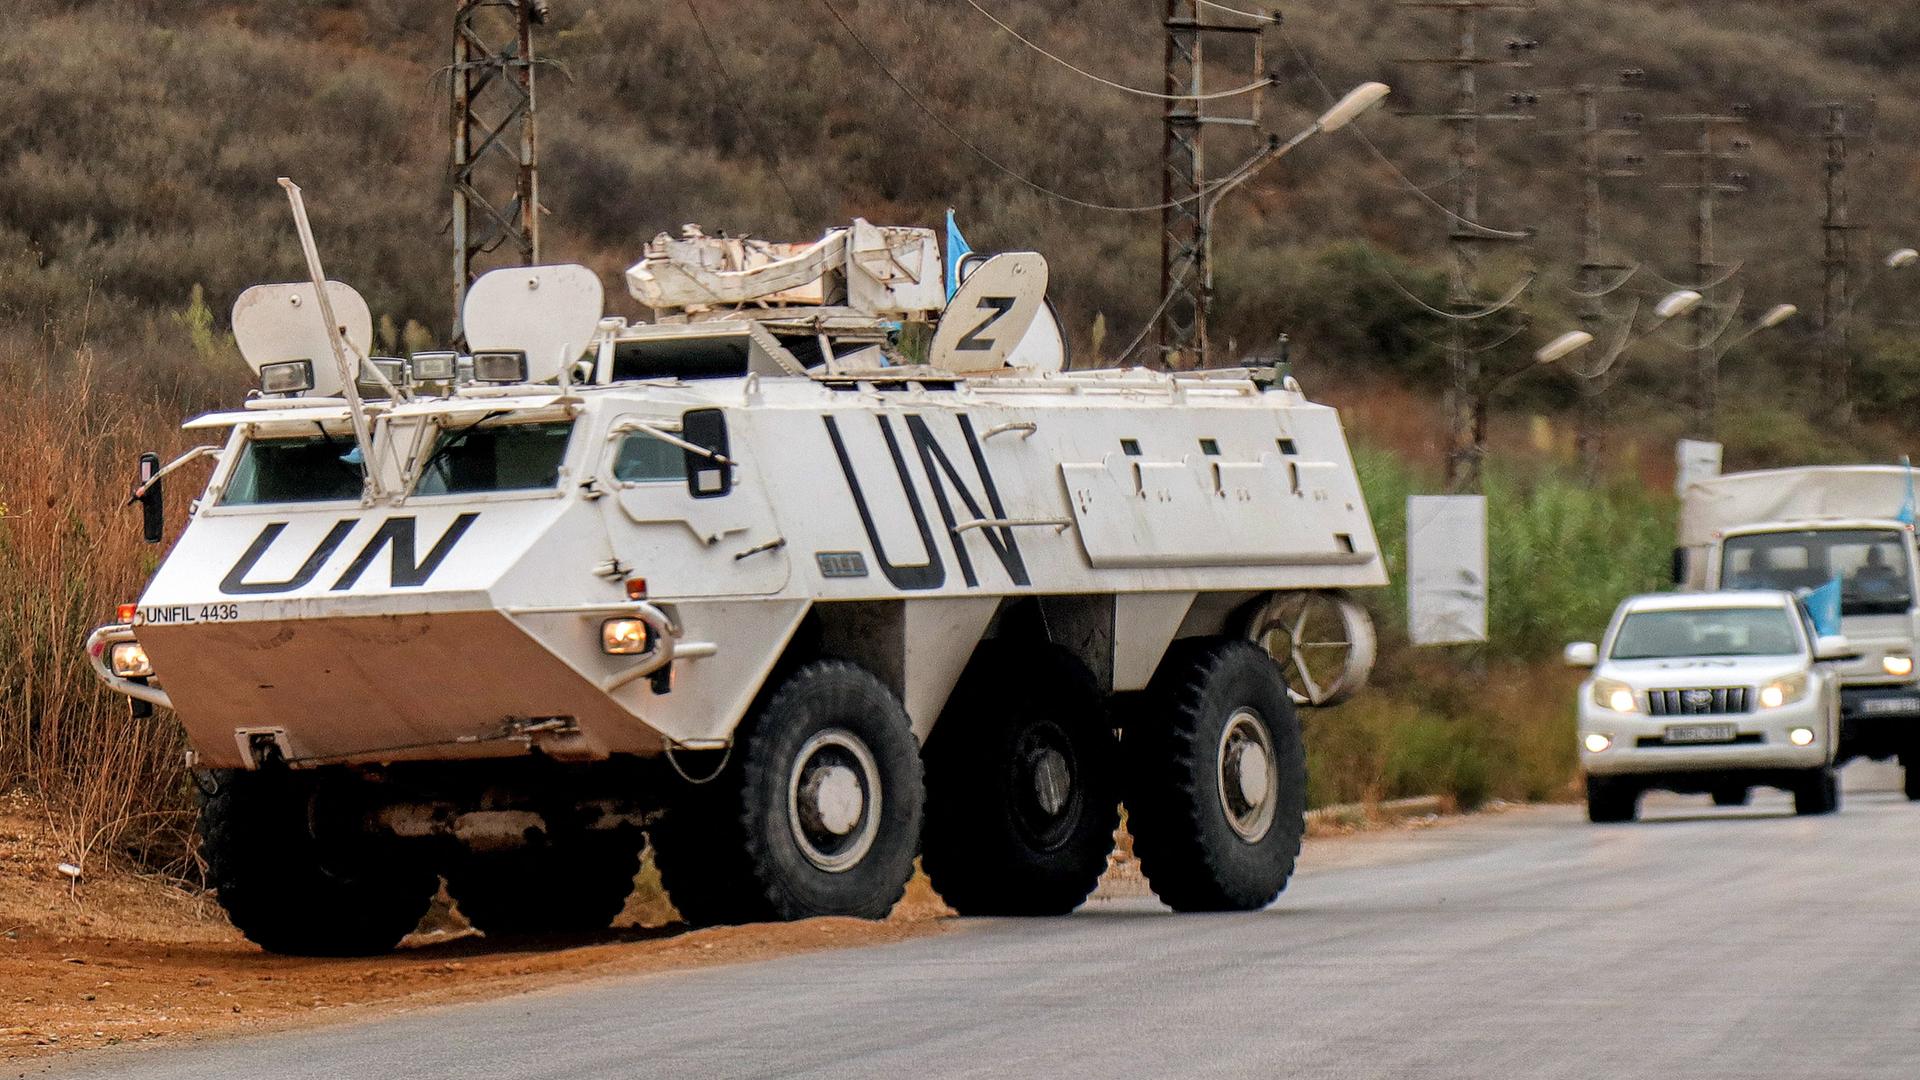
(69, 553)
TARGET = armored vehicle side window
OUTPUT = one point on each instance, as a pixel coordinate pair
(309, 469)
(644, 459)
(476, 458)
(685, 358)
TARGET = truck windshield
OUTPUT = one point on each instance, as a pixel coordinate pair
(314, 468)
(1871, 564)
(1664, 635)
(473, 457)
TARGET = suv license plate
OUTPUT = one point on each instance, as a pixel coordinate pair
(1896, 706)
(1701, 733)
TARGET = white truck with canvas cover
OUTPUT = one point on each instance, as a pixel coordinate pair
(1804, 529)
(760, 582)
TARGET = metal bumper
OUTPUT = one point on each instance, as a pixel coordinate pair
(100, 645)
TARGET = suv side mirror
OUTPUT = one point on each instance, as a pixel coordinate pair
(1582, 654)
(1834, 647)
(150, 494)
(709, 469)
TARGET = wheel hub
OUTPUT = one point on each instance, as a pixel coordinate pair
(1052, 786)
(1248, 775)
(833, 800)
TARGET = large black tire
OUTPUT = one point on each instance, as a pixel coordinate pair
(1910, 765)
(1216, 828)
(294, 886)
(1022, 796)
(759, 841)
(1818, 792)
(574, 885)
(1733, 796)
(1611, 801)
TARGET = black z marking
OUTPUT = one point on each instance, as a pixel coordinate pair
(406, 572)
(236, 584)
(972, 341)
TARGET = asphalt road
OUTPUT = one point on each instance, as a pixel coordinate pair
(1699, 943)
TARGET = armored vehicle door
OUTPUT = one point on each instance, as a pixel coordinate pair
(686, 510)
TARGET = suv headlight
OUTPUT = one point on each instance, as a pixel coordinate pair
(1897, 666)
(1783, 691)
(1614, 695)
(129, 661)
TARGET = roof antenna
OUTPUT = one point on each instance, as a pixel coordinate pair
(336, 339)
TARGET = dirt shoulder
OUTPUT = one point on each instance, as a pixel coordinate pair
(132, 959)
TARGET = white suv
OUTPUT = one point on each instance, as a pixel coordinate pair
(1709, 693)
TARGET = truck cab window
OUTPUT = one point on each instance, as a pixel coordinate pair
(644, 459)
(312, 468)
(1870, 564)
(476, 458)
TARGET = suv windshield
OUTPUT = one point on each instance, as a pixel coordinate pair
(309, 469)
(516, 457)
(1661, 635)
(1871, 565)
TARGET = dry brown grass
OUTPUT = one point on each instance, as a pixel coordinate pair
(69, 552)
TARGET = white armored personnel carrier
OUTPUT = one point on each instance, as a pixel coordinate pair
(815, 573)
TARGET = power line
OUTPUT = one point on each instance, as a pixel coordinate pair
(1405, 181)
(1260, 84)
(1263, 16)
(975, 149)
(753, 130)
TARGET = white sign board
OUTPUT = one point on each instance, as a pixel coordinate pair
(1447, 569)
(1694, 461)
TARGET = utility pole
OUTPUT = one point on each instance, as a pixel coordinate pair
(1186, 249)
(1466, 404)
(1706, 186)
(1595, 168)
(495, 169)
(1836, 368)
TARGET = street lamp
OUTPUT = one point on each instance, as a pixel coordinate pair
(1780, 313)
(1676, 304)
(1902, 259)
(1562, 347)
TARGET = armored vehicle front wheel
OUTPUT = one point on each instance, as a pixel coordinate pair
(1022, 800)
(1818, 792)
(292, 885)
(569, 885)
(818, 813)
(1215, 778)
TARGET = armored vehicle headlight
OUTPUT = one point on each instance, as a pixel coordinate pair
(435, 366)
(500, 367)
(1901, 666)
(1617, 696)
(293, 377)
(625, 637)
(392, 368)
(1783, 691)
(130, 661)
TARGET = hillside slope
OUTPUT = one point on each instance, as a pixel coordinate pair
(139, 142)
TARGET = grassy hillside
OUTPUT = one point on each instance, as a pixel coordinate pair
(139, 142)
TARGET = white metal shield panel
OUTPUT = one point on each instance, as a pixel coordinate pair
(1447, 569)
(548, 312)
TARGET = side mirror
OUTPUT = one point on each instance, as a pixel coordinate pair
(1834, 647)
(152, 499)
(1582, 654)
(709, 469)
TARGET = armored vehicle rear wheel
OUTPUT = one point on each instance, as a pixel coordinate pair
(1611, 801)
(1818, 792)
(573, 885)
(292, 888)
(1215, 778)
(1732, 796)
(818, 813)
(1022, 797)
